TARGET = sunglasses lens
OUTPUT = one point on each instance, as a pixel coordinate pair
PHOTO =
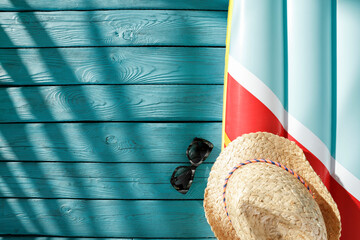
(198, 151)
(181, 178)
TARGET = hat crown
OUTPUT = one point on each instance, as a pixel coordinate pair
(266, 202)
(268, 146)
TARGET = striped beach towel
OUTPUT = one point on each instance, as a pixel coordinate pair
(293, 69)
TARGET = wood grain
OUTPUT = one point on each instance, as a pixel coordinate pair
(82, 238)
(124, 65)
(27, 5)
(105, 142)
(119, 172)
(111, 103)
(104, 218)
(113, 28)
(96, 180)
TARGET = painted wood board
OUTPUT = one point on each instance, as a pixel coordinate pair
(104, 218)
(112, 65)
(30, 5)
(111, 103)
(96, 180)
(63, 238)
(113, 28)
(105, 142)
(82, 238)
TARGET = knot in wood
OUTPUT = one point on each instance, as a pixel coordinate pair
(65, 209)
(128, 35)
(110, 139)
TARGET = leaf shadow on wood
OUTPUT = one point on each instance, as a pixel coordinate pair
(43, 227)
(65, 226)
(37, 227)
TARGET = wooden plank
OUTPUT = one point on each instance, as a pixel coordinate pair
(31, 5)
(104, 218)
(113, 28)
(82, 238)
(75, 238)
(124, 65)
(111, 103)
(62, 238)
(105, 142)
(96, 180)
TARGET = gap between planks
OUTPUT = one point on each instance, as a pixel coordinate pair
(121, 46)
(117, 9)
(106, 84)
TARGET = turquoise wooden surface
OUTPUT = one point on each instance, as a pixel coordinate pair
(96, 180)
(105, 218)
(97, 107)
(124, 65)
(113, 28)
(75, 238)
(26, 5)
(111, 103)
(105, 142)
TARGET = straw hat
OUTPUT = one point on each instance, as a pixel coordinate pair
(264, 201)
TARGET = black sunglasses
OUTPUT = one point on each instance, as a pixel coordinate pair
(183, 176)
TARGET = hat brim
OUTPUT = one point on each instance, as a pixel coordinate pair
(267, 146)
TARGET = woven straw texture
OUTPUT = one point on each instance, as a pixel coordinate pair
(286, 210)
(265, 201)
